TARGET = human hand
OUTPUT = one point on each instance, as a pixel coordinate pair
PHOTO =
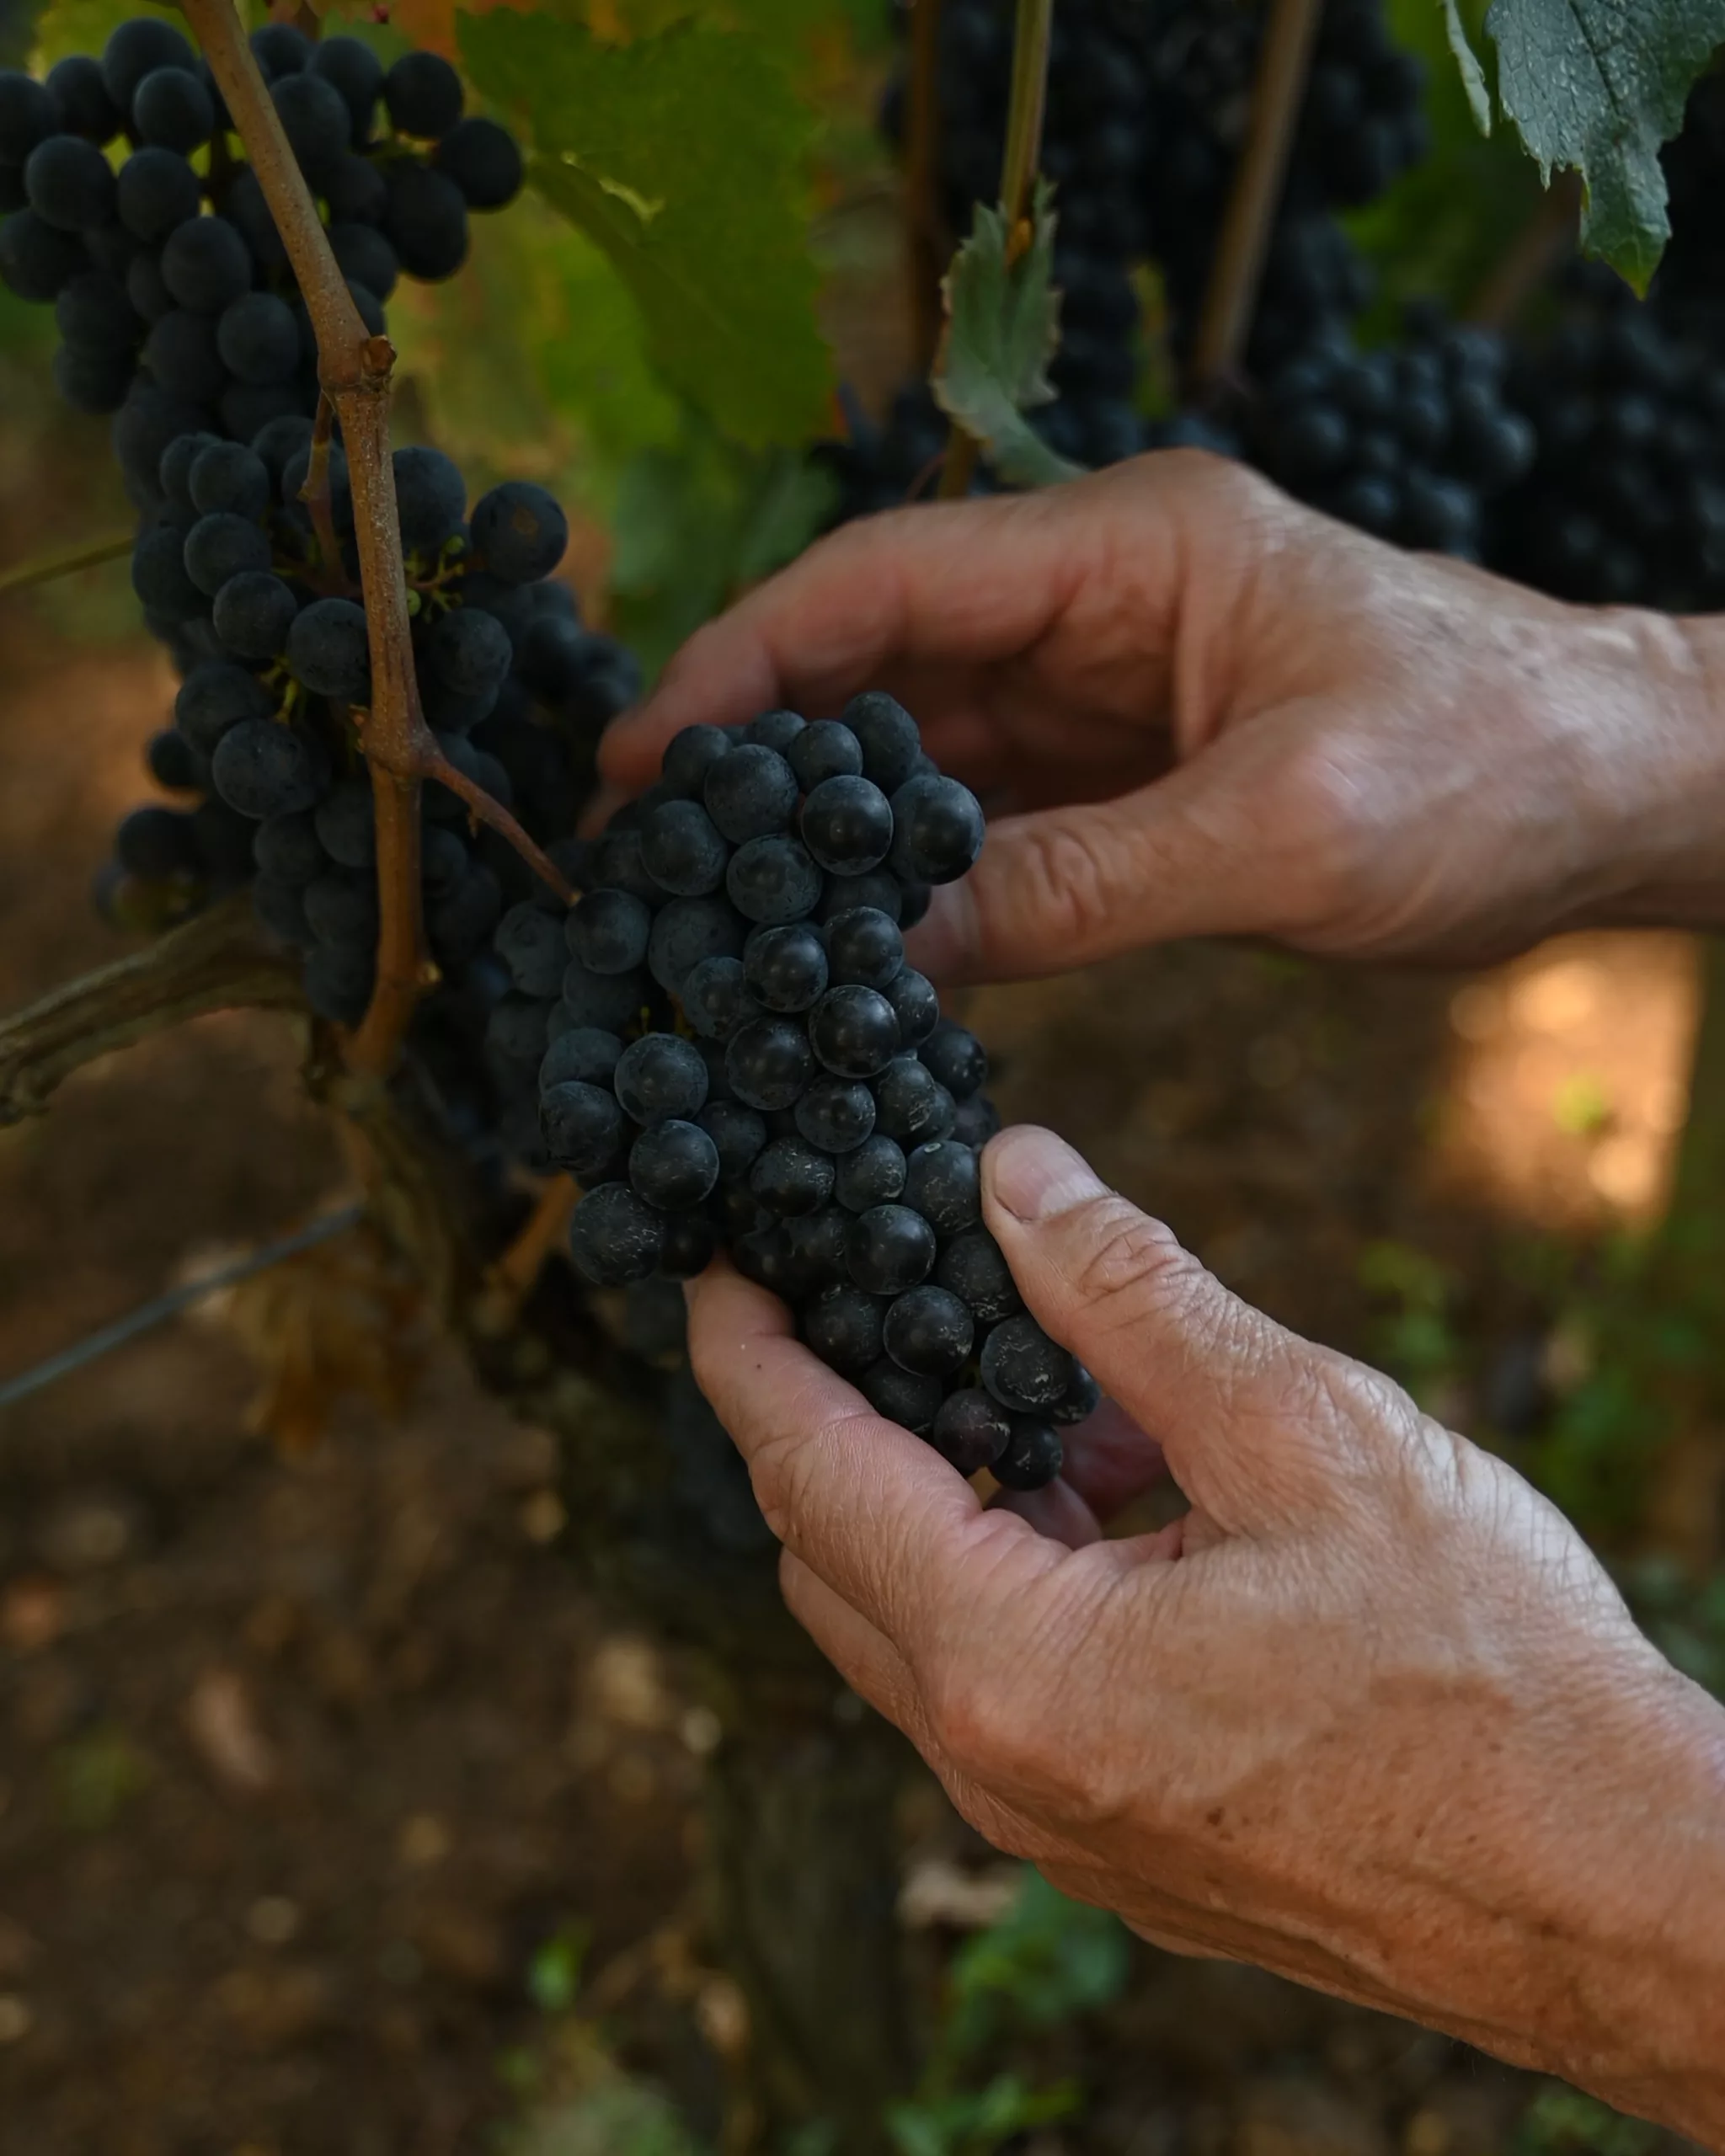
(1370, 1715)
(1217, 712)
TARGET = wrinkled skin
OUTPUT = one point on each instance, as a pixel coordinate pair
(1219, 713)
(1370, 1714)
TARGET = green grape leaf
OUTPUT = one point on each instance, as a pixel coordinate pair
(1002, 328)
(1598, 85)
(68, 26)
(697, 520)
(682, 156)
(1473, 76)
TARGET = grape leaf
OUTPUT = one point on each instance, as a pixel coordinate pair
(1473, 76)
(682, 156)
(1598, 85)
(1002, 328)
(697, 521)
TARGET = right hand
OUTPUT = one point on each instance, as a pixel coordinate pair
(1216, 713)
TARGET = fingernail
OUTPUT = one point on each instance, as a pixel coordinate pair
(1035, 1174)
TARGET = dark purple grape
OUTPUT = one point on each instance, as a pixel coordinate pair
(687, 931)
(842, 1326)
(836, 1115)
(942, 1182)
(750, 792)
(581, 1124)
(1032, 1458)
(914, 1004)
(689, 757)
(891, 1249)
(957, 1058)
(865, 949)
(975, 1268)
(853, 1032)
(530, 941)
(911, 1104)
(928, 1330)
(773, 879)
(774, 729)
(661, 1076)
(738, 1132)
(971, 1430)
(585, 1053)
(682, 849)
(1083, 1397)
(608, 931)
(887, 736)
(1022, 1367)
(614, 1237)
(674, 1165)
(901, 1395)
(769, 1063)
(715, 999)
(872, 1174)
(847, 825)
(826, 749)
(792, 1176)
(785, 967)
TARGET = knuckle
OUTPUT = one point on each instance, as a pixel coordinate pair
(1329, 805)
(973, 1720)
(1064, 883)
(1127, 1262)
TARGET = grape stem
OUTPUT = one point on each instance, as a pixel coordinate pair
(221, 960)
(926, 242)
(513, 1278)
(315, 494)
(44, 569)
(1230, 300)
(354, 370)
(1027, 101)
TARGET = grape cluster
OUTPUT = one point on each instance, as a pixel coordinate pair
(268, 722)
(727, 1049)
(1410, 442)
(1625, 501)
(1362, 124)
(1146, 111)
(126, 203)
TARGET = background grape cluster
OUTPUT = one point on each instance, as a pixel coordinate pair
(732, 1050)
(179, 314)
(1147, 108)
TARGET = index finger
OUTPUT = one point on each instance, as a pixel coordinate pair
(872, 1510)
(936, 583)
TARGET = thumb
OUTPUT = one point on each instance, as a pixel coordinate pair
(1260, 1426)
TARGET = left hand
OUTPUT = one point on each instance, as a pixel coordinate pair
(1370, 1715)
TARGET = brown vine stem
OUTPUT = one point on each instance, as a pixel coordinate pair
(925, 245)
(512, 1280)
(1032, 29)
(316, 493)
(47, 567)
(220, 961)
(1547, 239)
(1231, 298)
(354, 370)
